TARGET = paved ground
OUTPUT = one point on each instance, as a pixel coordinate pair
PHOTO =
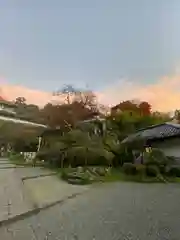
(30, 172)
(121, 211)
(14, 199)
(50, 189)
(19, 196)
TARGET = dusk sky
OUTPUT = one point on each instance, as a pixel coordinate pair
(122, 49)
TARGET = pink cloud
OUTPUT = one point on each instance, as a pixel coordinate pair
(164, 95)
(11, 92)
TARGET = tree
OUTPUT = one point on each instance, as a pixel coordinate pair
(127, 122)
(177, 115)
(66, 115)
(83, 96)
(145, 108)
(20, 100)
(29, 112)
(128, 106)
(81, 149)
(68, 91)
(78, 106)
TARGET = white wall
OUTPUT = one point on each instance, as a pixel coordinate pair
(7, 109)
(14, 120)
(170, 147)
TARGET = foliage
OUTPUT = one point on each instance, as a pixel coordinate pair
(157, 157)
(78, 148)
(177, 115)
(74, 177)
(84, 175)
(128, 122)
(20, 100)
(79, 144)
(29, 112)
(140, 169)
(78, 105)
(16, 157)
(134, 169)
(129, 169)
(174, 172)
(142, 109)
(152, 171)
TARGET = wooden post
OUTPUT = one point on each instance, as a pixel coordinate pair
(39, 143)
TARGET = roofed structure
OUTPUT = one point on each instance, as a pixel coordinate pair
(8, 114)
(160, 131)
(7, 108)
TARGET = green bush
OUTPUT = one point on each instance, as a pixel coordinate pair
(50, 156)
(66, 172)
(156, 157)
(101, 171)
(16, 157)
(174, 172)
(74, 177)
(151, 171)
(129, 169)
(126, 156)
(140, 169)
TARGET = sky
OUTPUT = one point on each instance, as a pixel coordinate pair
(121, 49)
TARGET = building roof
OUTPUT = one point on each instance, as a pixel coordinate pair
(24, 122)
(160, 131)
(5, 102)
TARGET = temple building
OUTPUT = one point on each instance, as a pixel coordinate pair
(7, 108)
(8, 114)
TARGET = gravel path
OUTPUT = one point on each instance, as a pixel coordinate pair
(120, 211)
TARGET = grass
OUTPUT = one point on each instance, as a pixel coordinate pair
(173, 179)
(115, 175)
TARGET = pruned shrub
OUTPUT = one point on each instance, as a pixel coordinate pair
(140, 169)
(16, 157)
(174, 172)
(50, 156)
(129, 169)
(72, 176)
(152, 171)
(101, 171)
(156, 157)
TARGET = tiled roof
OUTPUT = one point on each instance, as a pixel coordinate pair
(6, 102)
(24, 122)
(156, 132)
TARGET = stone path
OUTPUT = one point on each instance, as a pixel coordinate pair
(5, 164)
(116, 211)
(22, 190)
(13, 200)
(46, 191)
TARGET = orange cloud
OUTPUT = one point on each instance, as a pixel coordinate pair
(40, 98)
(164, 95)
